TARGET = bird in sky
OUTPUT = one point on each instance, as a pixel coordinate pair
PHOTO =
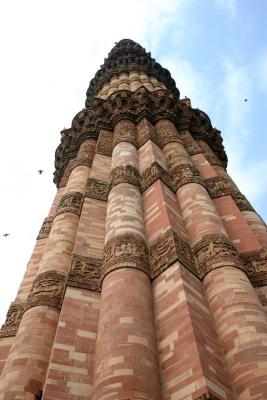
(40, 171)
(246, 100)
(6, 234)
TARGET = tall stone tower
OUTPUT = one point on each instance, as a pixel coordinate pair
(148, 278)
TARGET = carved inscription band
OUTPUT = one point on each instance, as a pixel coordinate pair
(153, 173)
(128, 250)
(45, 228)
(70, 202)
(85, 272)
(183, 174)
(214, 251)
(47, 289)
(125, 131)
(221, 186)
(168, 249)
(124, 174)
(256, 266)
(97, 189)
(13, 318)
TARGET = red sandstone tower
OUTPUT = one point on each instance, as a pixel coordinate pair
(148, 277)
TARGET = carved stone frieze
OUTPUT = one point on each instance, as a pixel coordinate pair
(209, 154)
(45, 228)
(65, 178)
(124, 131)
(168, 249)
(214, 251)
(242, 202)
(13, 318)
(219, 186)
(71, 202)
(105, 143)
(124, 174)
(97, 189)
(256, 266)
(47, 289)
(146, 131)
(85, 272)
(183, 174)
(189, 143)
(128, 250)
(207, 396)
(167, 133)
(152, 174)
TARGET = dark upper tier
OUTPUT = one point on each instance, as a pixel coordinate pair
(128, 56)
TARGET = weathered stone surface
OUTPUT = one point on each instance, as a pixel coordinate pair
(85, 272)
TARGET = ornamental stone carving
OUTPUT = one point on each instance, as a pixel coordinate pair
(183, 174)
(71, 202)
(207, 396)
(125, 131)
(168, 249)
(13, 318)
(124, 174)
(97, 189)
(152, 174)
(47, 289)
(125, 251)
(189, 143)
(167, 133)
(85, 272)
(105, 143)
(242, 202)
(219, 186)
(256, 266)
(45, 228)
(215, 251)
(146, 131)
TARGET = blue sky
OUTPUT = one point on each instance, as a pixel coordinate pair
(216, 51)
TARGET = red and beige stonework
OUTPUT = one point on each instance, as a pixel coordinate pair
(148, 280)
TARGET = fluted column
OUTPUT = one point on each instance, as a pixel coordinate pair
(126, 360)
(26, 366)
(239, 317)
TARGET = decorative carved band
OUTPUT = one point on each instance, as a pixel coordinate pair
(190, 144)
(183, 174)
(105, 143)
(47, 289)
(168, 249)
(128, 250)
(242, 202)
(45, 228)
(70, 202)
(82, 161)
(125, 131)
(97, 189)
(167, 133)
(153, 173)
(219, 186)
(145, 132)
(85, 272)
(13, 318)
(256, 266)
(207, 396)
(124, 174)
(214, 251)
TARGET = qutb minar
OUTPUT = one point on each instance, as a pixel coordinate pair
(148, 277)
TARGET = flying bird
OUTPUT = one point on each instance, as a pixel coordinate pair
(6, 234)
(40, 171)
(246, 100)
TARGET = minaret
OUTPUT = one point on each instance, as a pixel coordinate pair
(148, 277)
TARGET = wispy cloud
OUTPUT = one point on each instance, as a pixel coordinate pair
(262, 71)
